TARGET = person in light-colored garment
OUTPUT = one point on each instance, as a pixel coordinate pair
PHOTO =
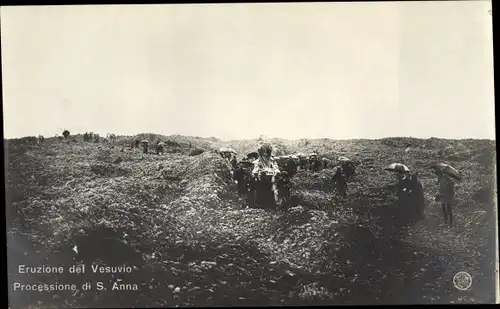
(446, 197)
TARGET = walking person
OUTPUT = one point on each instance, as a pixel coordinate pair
(340, 182)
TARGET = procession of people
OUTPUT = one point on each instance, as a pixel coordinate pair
(260, 171)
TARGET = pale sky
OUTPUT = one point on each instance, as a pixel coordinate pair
(233, 71)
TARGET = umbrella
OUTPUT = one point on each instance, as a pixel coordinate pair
(343, 159)
(313, 154)
(337, 168)
(253, 155)
(227, 150)
(448, 170)
(397, 167)
(246, 164)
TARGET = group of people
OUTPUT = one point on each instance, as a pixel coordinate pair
(247, 172)
(159, 146)
(409, 190)
(410, 194)
(411, 199)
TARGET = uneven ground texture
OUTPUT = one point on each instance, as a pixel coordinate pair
(177, 220)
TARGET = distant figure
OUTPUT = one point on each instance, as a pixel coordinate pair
(283, 186)
(325, 162)
(144, 146)
(302, 163)
(315, 164)
(340, 182)
(40, 139)
(234, 163)
(417, 198)
(308, 163)
(348, 168)
(160, 146)
(137, 143)
(291, 167)
(446, 197)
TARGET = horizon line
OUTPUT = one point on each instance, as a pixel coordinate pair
(267, 137)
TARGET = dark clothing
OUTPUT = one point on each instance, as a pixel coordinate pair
(446, 197)
(159, 148)
(284, 186)
(239, 176)
(447, 212)
(417, 199)
(348, 169)
(315, 165)
(340, 183)
(403, 188)
(302, 163)
(404, 205)
(291, 167)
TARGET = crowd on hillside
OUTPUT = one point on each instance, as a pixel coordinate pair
(409, 191)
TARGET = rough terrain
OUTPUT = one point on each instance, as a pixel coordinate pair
(177, 220)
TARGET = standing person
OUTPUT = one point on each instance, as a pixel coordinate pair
(325, 162)
(445, 197)
(239, 176)
(340, 182)
(234, 162)
(404, 207)
(159, 147)
(283, 185)
(417, 197)
(348, 168)
(302, 162)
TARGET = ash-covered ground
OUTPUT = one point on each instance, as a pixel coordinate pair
(179, 222)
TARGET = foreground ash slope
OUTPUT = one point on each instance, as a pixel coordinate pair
(178, 220)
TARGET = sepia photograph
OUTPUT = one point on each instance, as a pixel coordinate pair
(249, 154)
